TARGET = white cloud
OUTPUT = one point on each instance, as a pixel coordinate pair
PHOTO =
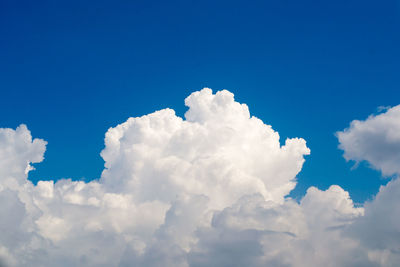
(17, 151)
(375, 140)
(207, 190)
(223, 157)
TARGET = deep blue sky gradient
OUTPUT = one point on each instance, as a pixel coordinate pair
(72, 69)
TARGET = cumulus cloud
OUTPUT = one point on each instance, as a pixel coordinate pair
(207, 190)
(375, 140)
(219, 151)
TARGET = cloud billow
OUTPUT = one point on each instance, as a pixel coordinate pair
(375, 140)
(207, 190)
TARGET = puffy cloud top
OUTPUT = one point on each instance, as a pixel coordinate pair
(376, 140)
(17, 151)
(219, 151)
(207, 190)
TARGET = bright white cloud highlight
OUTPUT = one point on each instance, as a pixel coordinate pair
(207, 190)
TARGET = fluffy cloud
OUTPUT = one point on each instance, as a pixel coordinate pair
(219, 151)
(376, 140)
(17, 151)
(207, 190)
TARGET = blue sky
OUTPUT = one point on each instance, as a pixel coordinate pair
(72, 69)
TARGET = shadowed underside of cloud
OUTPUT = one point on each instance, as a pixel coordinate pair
(207, 190)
